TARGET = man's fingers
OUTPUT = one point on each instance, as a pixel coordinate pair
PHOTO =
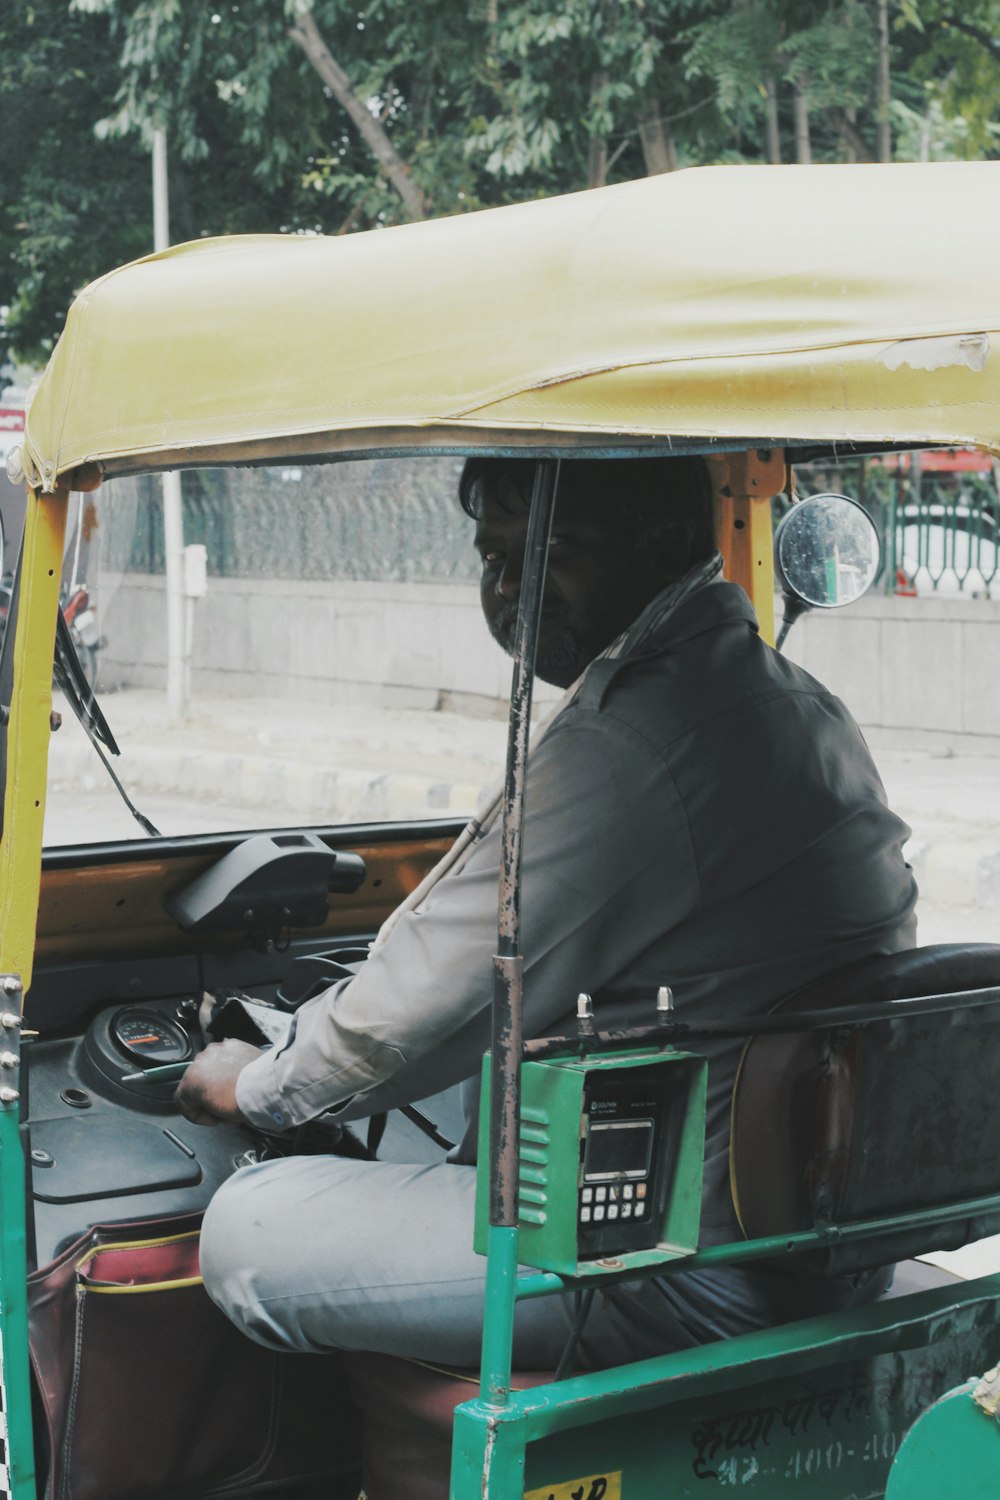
(195, 1113)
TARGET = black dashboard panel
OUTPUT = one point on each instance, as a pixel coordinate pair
(103, 1150)
(104, 1146)
(119, 984)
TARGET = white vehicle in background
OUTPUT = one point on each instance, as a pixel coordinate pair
(949, 550)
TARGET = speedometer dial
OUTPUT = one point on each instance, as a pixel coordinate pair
(149, 1038)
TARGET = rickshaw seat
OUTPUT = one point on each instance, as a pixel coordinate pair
(407, 1409)
(835, 1126)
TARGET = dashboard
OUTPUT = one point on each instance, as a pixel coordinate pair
(105, 1144)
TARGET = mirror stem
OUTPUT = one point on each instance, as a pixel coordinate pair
(794, 607)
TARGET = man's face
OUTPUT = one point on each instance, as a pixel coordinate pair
(596, 583)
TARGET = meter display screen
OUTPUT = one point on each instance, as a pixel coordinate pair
(618, 1150)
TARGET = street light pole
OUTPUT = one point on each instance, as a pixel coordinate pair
(173, 516)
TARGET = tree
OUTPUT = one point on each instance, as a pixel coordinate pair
(63, 203)
(306, 116)
(355, 99)
(953, 54)
(75, 185)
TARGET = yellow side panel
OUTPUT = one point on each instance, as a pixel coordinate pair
(28, 731)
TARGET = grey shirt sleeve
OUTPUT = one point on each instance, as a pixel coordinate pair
(607, 869)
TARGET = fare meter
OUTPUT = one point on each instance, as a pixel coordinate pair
(611, 1154)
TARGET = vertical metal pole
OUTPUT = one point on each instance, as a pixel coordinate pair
(173, 515)
(74, 582)
(508, 965)
(161, 200)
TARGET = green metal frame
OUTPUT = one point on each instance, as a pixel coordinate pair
(492, 1436)
(14, 1372)
(492, 1443)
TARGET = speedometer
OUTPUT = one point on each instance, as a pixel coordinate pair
(149, 1038)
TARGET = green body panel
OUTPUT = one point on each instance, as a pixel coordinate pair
(952, 1452)
(14, 1310)
(552, 1125)
(818, 1408)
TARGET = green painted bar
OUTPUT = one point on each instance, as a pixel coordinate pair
(546, 1283)
(498, 1325)
(908, 1322)
(488, 1449)
(14, 1309)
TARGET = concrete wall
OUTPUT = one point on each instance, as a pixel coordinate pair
(397, 645)
(926, 664)
(913, 664)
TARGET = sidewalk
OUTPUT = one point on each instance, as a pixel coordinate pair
(303, 762)
(950, 796)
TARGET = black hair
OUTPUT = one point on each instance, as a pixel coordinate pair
(665, 502)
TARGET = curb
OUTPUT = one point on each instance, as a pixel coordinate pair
(297, 790)
(954, 871)
(949, 869)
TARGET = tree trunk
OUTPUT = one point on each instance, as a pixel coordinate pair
(926, 136)
(597, 162)
(658, 149)
(883, 148)
(773, 132)
(597, 152)
(849, 137)
(803, 146)
(846, 122)
(306, 34)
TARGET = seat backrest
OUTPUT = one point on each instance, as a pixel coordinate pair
(841, 1125)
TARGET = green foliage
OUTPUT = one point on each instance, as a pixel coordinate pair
(482, 101)
(57, 193)
(953, 49)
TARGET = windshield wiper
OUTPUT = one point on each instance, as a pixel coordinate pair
(70, 678)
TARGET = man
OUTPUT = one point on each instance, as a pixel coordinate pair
(700, 813)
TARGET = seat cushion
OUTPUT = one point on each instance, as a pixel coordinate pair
(840, 1125)
(407, 1410)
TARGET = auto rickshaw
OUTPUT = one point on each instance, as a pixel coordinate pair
(760, 317)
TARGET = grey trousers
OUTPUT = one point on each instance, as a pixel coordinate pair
(315, 1253)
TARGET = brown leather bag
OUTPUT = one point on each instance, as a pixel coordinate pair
(149, 1391)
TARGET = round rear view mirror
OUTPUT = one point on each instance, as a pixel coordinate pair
(826, 554)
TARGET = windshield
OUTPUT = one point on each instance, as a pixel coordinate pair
(337, 668)
(336, 664)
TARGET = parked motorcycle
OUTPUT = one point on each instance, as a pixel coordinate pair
(79, 616)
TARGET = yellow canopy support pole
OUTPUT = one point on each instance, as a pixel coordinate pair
(28, 730)
(743, 484)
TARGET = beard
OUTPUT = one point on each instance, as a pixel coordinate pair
(562, 652)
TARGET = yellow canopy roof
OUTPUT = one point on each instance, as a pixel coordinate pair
(829, 304)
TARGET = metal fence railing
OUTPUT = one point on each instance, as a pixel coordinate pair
(939, 526)
(386, 520)
(398, 520)
(945, 540)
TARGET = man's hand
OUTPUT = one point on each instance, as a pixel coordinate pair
(207, 1092)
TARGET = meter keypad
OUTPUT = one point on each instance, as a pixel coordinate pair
(613, 1201)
